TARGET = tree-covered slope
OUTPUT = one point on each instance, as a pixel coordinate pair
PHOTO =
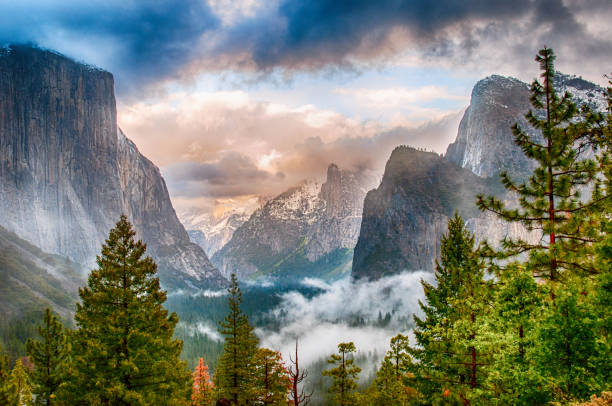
(31, 279)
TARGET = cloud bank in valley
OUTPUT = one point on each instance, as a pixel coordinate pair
(321, 322)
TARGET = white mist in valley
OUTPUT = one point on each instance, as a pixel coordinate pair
(346, 311)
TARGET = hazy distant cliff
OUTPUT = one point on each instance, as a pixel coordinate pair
(67, 172)
(310, 230)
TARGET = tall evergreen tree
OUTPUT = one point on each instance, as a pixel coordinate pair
(572, 226)
(446, 358)
(394, 379)
(19, 386)
(49, 356)
(235, 375)
(343, 389)
(123, 349)
(550, 201)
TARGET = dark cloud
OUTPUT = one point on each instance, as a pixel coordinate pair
(313, 35)
(139, 41)
(333, 30)
(232, 175)
(146, 41)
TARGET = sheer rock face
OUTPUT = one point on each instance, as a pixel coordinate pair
(405, 217)
(485, 143)
(67, 172)
(309, 230)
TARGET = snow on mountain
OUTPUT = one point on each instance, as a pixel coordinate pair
(309, 230)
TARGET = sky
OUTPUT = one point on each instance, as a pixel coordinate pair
(240, 98)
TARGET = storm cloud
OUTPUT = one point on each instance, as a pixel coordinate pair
(149, 41)
(139, 41)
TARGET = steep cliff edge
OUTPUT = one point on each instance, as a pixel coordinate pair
(485, 143)
(67, 172)
(405, 217)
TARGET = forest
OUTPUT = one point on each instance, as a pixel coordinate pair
(522, 324)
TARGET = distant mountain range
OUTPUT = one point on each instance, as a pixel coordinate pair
(67, 172)
(309, 230)
(212, 232)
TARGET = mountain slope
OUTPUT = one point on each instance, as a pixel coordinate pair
(212, 232)
(309, 230)
(31, 279)
(404, 219)
(67, 172)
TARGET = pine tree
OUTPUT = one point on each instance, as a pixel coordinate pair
(562, 344)
(123, 349)
(550, 200)
(510, 332)
(19, 386)
(394, 378)
(50, 357)
(272, 378)
(235, 376)
(446, 356)
(344, 375)
(203, 388)
(4, 377)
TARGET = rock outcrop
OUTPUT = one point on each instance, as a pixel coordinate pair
(485, 143)
(309, 230)
(67, 172)
(405, 217)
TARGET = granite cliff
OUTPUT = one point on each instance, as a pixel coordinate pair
(404, 219)
(485, 143)
(67, 172)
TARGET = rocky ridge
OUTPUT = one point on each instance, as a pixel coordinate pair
(404, 219)
(309, 230)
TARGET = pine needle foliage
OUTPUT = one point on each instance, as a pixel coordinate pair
(343, 390)
(50, 356)
(203, 388)
(550, 200)
(123, 349)
(447, 363)
(20, 387)
(235, 378)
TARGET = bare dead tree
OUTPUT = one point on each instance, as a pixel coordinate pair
(297, 397)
